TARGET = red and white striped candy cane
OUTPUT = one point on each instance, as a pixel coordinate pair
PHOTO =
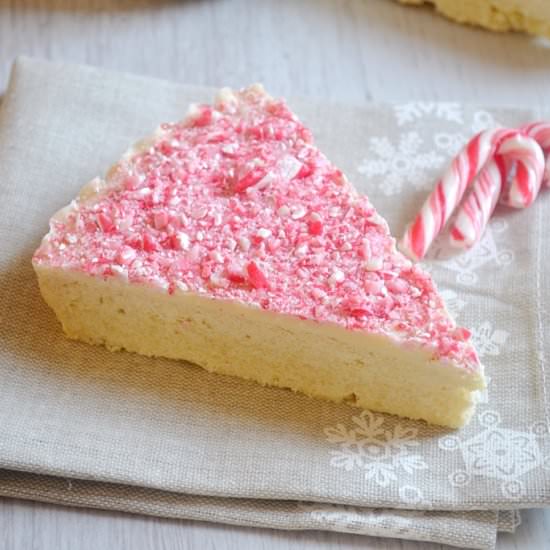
(540, 132)
(529, 159)
(449, 191)
(474, 213)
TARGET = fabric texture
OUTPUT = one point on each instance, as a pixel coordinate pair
(83, 426)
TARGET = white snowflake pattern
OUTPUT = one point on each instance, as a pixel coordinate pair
(453, 302)
(483, 395)
(466, 263)
(482, 120)
(488, 340)
(415, 110)
(379, 451)
(449, 143)
(411, 495)
(497, 453)
(355, 519)
(452, 142)
(401, 164)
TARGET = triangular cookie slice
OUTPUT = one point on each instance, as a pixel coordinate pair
(231, 241)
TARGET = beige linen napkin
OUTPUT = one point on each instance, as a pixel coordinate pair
(80, 425)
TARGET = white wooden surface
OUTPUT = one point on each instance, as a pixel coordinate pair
(350, 50)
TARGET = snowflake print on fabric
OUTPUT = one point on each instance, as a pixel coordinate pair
(487, 340)
(498, 453)
(483, 395)
(466, 264)
(381, 452)
(482, 121)
(415, 110)
(453, 302)
(400, 165)
(354, 519)
(411, 495)
(450, 144)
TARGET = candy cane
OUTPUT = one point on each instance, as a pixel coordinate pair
(529, 158)
(474, 213)
(540, 132)
(449, 191)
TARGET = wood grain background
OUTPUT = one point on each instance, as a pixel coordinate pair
(345, 50)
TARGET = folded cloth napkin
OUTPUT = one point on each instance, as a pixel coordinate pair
(83, 426)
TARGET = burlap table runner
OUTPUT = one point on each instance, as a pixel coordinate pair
(82, 426)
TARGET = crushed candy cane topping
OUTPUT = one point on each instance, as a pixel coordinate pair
(236, 203)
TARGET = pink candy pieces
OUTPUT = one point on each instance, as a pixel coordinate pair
(236, 203)
(483, 164)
